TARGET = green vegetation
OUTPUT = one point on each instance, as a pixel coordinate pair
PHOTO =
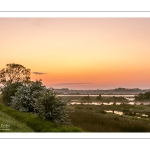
(31, 122)
(51, 107)
(86, 98)
(125, 108)
(90, 99)
(9, 91)
(36, 106)
(1, 99)
(28, 96)
(14, 73)
(99, 97)
(143, 96)
(94, 122)
(93, 118)
(31, 107)
(10, 124)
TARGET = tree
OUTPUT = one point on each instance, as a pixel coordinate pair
(143, 96)
(51, 107)
(41, 101)
(14, 73)
(9, 91)
(25, 96)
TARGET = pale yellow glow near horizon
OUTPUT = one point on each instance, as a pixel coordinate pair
(105, 52)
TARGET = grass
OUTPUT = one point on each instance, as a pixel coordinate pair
(85, 118)
(1, 99)
(94, 99)
(142, 100)
(9, 124)
(123, 107)
(31, 121)
(93, 119)
(94, 122)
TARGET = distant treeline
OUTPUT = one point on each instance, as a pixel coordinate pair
(98, 91)
(143, 96)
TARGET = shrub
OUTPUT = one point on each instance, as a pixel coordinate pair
(24, 98)
(99, 97)
(9, 91)
(51, 107)
(86, 97)
(45, 103)
(36, 123)
(143, 96)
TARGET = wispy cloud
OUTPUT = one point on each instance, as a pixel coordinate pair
(39, 73)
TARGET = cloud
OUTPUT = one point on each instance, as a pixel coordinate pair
(38, 73)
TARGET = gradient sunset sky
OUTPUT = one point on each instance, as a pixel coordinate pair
(79, 53)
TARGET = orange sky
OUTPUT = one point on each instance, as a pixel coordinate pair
(79, 53)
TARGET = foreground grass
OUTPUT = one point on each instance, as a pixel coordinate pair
(92, 122)
(9, 124)
(31, 122)
(93, 119)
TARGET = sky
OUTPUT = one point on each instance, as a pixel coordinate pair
(79, 53)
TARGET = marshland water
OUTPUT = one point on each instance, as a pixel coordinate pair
(109, 113)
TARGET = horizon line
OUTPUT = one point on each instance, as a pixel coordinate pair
(102, 89)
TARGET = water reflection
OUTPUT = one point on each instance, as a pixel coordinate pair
(118, 112)
(130, 102)
(144, 115)
(130, 98)
(110, 103)
(115, 112)
(138, 115)
(118, 103)
(108, 111)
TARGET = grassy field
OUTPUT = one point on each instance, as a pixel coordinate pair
(9, 124)
(84, 118)
(94, 99)
(27, 122)
(97, 122)
(93, 118)
(12, 120)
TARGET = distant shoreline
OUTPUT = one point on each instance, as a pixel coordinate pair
(117, 91)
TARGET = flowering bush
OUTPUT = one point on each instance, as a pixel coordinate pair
(51, 107)
(25, 95)
(24, 98)
(43, 102)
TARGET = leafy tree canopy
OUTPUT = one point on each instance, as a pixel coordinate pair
(14, 73)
